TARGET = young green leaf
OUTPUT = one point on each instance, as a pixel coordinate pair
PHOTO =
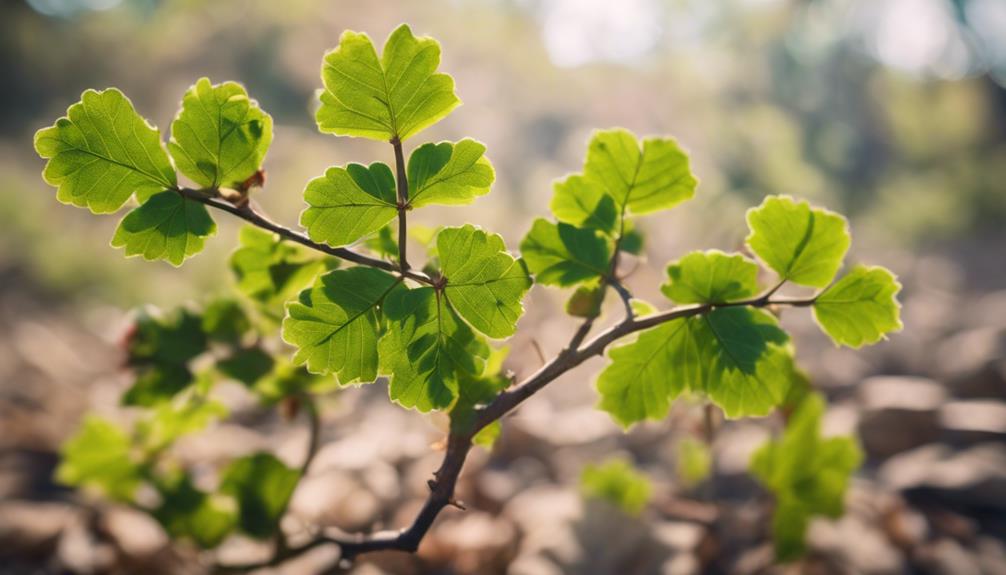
(220, 136)
(348, 203)
(102, 152)
(617, 482)
(224, 320)
(100, 455)
(334, 324)
(171, 420)
(165, 338)
(860, 308)
(262, 486)
(640, 178)
(395, 96)
(807, 473)
(563, 255)
(803, 245)
(485, 284)
(693, 461)
(247, 365)
(269, 270)
(427, 349)
(449, 174)
(187, 512)
(287, 380)
(711, 277)
(584, 203)
(736, 356)
(167, 226)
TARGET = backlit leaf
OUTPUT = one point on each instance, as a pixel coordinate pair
(803, 245)
(711, 277)
(861, 308)
(100, 455)
(220, 136)
(348, 203)
(617, 482)
(262, 486)
(394, 96)
(166, 227)
(584, 203)
(450, 174)
(563, 255)
(485, 284)
(102, 152)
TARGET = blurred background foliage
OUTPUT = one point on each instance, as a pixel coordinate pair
(891, 111)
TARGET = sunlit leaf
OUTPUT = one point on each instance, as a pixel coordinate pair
(102, 152)
(450, 174)
(269, 270)
(711, 277)
(334, 324)
(563, 255)
(348, 203)
(262, 486)
(584, 203)
(394, 96)
(427, 349)
(220, 136)
(485, 284)
(166, 227)
(861, 308)
(802, 244)
(807, 474)
(187, 512)
(100, 455)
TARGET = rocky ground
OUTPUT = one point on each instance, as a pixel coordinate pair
(929, 407)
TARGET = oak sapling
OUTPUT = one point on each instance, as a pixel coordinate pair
(339, 304)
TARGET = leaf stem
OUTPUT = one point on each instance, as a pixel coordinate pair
(402, 181)
(250, 213)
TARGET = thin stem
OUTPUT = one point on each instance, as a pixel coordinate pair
(402, 181)
(248, 212)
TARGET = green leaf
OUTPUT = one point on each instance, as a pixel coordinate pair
(348, 203)
(247, 365)
(225, 320)
(807, 473)
(632, 240)
(269, 270)
(485, 284)
(584, 203)
(395, 96)
(187, 512)
(449, 174)
(563, 255)
(385, 242)
(427, 349)
(334, 324)
(165, 338)
(803, 245)
(711, 277)
(102, 152)
(166, 227)
(262, 486)
(617, 482)
(157, 383)
(860, 308)
(100, 455)
(735, 356)
(220, 137)
(640, 177)
(586, 301)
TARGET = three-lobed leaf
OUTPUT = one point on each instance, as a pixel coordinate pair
(807, 473)
(220, 136)
(391, 97)
(802, 244)
(641, 177)
(102, 153)
(335, 326)
(485, 284)
(861, 308)
(167, 226)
